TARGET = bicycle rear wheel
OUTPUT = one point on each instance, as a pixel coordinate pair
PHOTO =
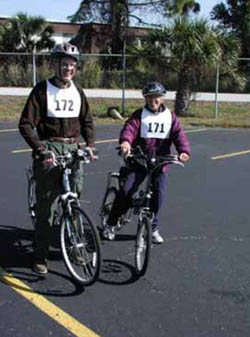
(31, 194)
(81, 248)
(107, 205)
(143, 245)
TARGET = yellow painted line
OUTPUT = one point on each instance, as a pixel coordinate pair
(229, 155)
(195, 130)
(8, 130)
(103, 141)
(106, 141)
(97, 142)
(21, 151)
(47, 307)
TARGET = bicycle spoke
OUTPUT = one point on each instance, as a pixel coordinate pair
(143, 246)
(107, 205)
(81, 247)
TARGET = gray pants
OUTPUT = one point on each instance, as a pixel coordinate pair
(48, 188)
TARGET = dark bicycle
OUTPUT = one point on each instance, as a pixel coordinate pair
(79, 238)
(139, 203)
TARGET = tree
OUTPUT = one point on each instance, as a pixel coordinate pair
(235, 16)
(196, 49)
(182, 7)
(119, 13)
(25, 33)
(113, 12)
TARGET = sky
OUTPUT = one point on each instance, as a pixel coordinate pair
(59, 10)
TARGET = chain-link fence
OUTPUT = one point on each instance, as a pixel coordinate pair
(95, 71)
(114, 72)
(108, 71)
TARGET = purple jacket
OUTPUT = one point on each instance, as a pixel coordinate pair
(131, 134)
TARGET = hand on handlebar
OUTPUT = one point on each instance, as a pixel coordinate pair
(125, 149)
(91, 151)
(48, 159)
(184, 157)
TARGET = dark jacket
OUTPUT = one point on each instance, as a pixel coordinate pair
(34, 116)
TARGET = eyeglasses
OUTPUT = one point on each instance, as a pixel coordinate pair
(69, 65)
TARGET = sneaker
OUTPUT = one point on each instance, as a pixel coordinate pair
(156, 237)
(109, 233)
(40, 267)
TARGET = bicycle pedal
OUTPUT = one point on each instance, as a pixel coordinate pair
(118, 227)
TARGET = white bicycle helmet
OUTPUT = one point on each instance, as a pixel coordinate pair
(153, 89)
(65, 49)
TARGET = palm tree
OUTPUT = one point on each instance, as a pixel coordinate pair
(182, 8)
(196, 49)
(25, 33)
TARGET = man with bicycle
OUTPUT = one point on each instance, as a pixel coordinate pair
(55, 115)
(154, 128)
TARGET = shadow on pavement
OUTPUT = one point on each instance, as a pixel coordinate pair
(117, 273)
(16, 254)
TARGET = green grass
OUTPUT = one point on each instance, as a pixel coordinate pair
(200, 113)
(229, 115)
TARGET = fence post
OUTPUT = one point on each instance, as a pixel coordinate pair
(216, 91)
(123, 76)
(34, 65)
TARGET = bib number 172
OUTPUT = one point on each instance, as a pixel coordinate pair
(64, 105)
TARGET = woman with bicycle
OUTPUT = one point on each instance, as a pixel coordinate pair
(55, 115)
(154, 128)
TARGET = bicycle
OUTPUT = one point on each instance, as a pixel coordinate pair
(79, 238)
(31, 195)
(139, 203)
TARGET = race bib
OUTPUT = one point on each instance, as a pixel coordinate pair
(156, 125)
(63, 103)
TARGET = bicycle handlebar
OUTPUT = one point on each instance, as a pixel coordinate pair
(80, 155)
(137, 153)
(169, 159)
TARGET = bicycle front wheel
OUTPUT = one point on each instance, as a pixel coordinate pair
(143, 245)
(81, 248)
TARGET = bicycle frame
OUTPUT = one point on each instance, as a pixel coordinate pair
(68, 196)
(141, 205)
(68, 163)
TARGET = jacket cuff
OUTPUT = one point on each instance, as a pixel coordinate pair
(39, 148)
(90, 144)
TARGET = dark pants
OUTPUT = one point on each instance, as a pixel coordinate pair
(123, 199)
(48, 188)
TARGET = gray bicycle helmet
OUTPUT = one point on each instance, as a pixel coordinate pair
(153, 89)
(65, 49)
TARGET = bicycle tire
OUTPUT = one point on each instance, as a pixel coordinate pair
(143, 245)
(107, 204)
(32, 200)
(81, 247)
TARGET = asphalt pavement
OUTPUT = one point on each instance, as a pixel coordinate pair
(198, 281)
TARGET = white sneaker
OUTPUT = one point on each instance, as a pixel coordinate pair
(109, 233)
(156, 237)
